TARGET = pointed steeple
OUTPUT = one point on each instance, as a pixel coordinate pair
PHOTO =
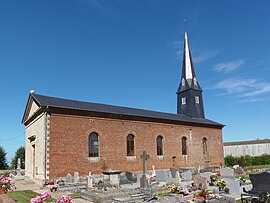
(189, 93)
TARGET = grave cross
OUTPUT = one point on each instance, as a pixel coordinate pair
(144, 157)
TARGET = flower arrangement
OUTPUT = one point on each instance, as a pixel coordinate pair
(221, 183)
(213, 178)
(6, 183)
(242, 178)
(53, 188)
(46, 195)
(179, 190)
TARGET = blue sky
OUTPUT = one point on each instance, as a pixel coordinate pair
(129, 53)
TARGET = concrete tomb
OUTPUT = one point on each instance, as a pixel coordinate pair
(69, 178)
(227, 172)
(76, 177)
(187, 175)
(206, 175)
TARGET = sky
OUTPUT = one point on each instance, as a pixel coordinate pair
(129, 53)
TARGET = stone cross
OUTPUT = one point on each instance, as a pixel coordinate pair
(144, 157)
(143, 180)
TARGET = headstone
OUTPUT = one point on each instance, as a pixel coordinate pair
(201, 181)
(227, 172)
(143, 180)
(206, 175)
(173, 172)
(187, 175)
(162, 176)
(90, 180)
(177, 179)
(233, 186)
(76, 177)
(19, 164)
(69, 178)
(239, 170)
(260, 182)
(153, 171)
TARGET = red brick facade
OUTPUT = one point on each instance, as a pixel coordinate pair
(68, 144)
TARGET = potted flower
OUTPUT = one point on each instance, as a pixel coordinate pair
(202, 195)
(6, 184)
(221, 184)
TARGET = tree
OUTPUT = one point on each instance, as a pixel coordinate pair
(20, 153)
(3, 160)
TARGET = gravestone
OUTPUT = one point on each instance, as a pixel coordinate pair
(239, 170)
(162, 176)
(143, 180)
(206, 175)
(260, 182)
(111, 177)
(201, 181)
(227, 172)
(18, 170)
(19, 164)
(187, 175)
(90, 179)
(69, 178)
(76, 177)
(177, 179)
(233, 186)
(173, 172)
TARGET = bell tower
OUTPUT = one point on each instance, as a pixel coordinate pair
(189, 94)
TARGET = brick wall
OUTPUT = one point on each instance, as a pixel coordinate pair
(68, 144)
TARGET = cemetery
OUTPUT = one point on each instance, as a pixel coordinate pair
(213, 184)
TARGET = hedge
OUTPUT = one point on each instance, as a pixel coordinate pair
(247, 160)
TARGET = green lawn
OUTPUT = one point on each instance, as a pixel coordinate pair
(24, 196)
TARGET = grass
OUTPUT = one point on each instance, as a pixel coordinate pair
(75, 195)
(24, 196)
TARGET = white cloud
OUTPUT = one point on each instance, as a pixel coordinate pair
(204, 57)
(228, 67)
(249, 90)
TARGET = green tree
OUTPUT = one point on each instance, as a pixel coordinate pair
(3, 160)
(20, 153)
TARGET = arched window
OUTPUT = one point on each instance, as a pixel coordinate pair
(184, 145)
(130, 145)
(204, 143)
(93, 145)
(159, 145)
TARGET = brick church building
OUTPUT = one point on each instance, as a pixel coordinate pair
(64, 136)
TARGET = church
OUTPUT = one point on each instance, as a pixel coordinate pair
(66, 136)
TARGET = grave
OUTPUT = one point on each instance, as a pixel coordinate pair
(111, 177)
(162, 176)
(69, 178)
(76, 177)
(200, 182)
(143, 179)
(206, 175)
(187, 175)
(233, 185)
(173, 172)
(260, 182)
(227, 173)
(90, 179)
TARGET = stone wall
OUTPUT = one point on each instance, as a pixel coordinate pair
(68, 144)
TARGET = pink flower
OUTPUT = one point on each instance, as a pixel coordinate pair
(45, 195)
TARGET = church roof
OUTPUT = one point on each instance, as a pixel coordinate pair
(123, 112)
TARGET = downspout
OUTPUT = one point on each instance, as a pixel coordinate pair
(45, 143)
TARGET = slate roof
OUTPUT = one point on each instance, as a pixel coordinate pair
(46, 101)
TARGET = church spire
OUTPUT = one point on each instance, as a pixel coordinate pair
(189, 93)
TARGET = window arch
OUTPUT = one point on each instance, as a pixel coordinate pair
(204, 143)
(93, 144)
(130, 145)
(159, 145)
(184, 145)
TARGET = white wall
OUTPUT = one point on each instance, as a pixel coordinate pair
(37, 128)
(247, 149)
